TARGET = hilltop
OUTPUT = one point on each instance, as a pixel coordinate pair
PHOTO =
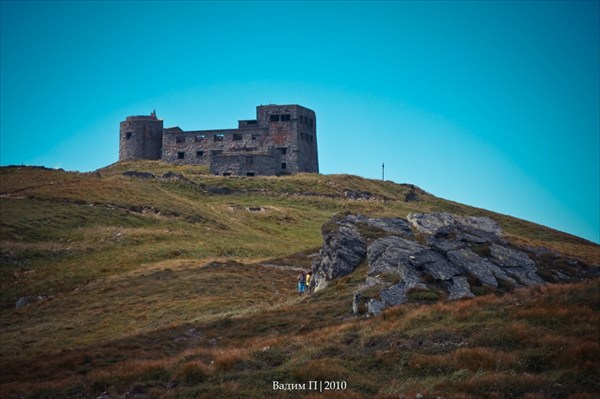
(146, 279)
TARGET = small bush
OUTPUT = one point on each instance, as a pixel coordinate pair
(226, 361)
(192, 373)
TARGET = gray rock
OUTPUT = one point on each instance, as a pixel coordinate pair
(343, 250)
(397, 226)
(394, 295)
(449, 255)
(516, 263)
(392, 254)
(21, 302)
(430, 223)
(443, 244)
(356, 302)
(374, 307)
(435, 264)
(458, 288)
(358, 195)
(483, 269)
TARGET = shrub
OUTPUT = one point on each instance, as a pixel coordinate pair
(192, 373)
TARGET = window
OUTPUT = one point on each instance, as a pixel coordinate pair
(283, 150)
(311, 138)
(219, 137)
(302, 135)
(180, 139)
(283, 165)
(254, 122)
(180, 155)
(127, 135)
(237, 137)
(250, 174)
(199, 154)
(227, 174)
(274, 118)
(301, 119)
(285, 117)
(200, 137)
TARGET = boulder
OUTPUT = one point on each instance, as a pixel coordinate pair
(343, 250)
(459, 288)
(396, 226)
(483, 269)
(449, 251)
(392, 255)
(516, 263)
(430, 223)
(435, 264)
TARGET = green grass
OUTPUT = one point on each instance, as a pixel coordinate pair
(161, 287)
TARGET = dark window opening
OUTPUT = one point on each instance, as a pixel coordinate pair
(237, 137)
(310, 138)
(301, 119)
(180, 139)
(274, 118)
(199, 154)
(285, 117)
(283, 150)
(219, 137)
(127, 135)
(302, 136)
(251, 122)
(200, 137)
(227, 174)
(283, 165)
(251, 174)
(310, 122)
(180, 155)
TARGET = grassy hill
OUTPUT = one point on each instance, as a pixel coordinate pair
(155, 280)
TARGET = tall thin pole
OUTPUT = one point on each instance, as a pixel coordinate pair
(383, 172)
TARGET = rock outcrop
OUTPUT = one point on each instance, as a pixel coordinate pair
(427, 257)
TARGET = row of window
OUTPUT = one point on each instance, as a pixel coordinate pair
(200, 153)
(216, 137)
(249, 159)
(308, 137)
(307, 121)
(277, 117)
(286, 117)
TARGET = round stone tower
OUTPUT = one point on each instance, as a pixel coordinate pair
(140, 137)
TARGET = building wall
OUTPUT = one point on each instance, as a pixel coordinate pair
(251, 164)
(282, 139)
(140, 137)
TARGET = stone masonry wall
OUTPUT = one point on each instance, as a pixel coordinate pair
(282, 139)
(140, 137)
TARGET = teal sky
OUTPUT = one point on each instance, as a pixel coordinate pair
(492, 104)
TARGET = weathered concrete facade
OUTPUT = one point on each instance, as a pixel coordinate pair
(281, 140)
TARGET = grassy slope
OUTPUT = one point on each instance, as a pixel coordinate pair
(134, 305)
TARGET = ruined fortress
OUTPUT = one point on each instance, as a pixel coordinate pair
(281, 140)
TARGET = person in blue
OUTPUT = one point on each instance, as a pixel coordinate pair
(301, 283)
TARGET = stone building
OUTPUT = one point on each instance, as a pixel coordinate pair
(281, 140)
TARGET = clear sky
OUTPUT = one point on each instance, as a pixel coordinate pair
(492, 104)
